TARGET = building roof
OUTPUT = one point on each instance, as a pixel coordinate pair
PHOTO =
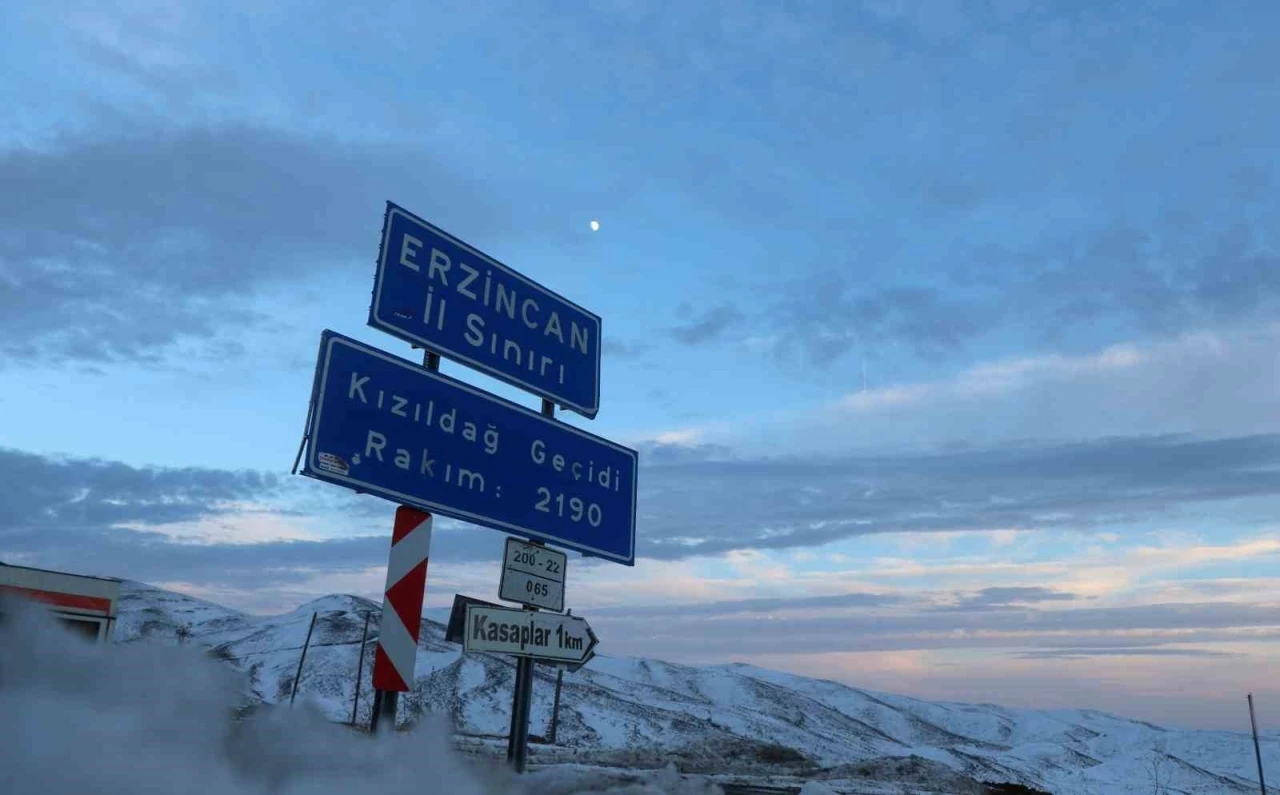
(64, 573)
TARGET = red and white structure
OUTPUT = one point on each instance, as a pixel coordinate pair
(86, 605)
(397, 650)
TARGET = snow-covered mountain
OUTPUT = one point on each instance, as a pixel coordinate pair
(639, 712)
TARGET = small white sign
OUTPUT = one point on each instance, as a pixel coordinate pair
(533, 575)
(525, 633)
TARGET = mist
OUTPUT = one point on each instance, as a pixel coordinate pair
(151, 718)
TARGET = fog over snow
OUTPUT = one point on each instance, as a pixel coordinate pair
(151, 718)
(189, 687)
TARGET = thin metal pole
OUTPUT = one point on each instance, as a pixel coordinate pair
(306, 434)
(373, 713)
(430, 359)
(555, 708)
(513, 733)
(302, 658)
(1257, 749)
(387, 710)
(526, 697)
(518, 740)
(364, 638)
(385, 703)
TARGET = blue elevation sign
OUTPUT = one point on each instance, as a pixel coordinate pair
(439, 293)
(382, 425)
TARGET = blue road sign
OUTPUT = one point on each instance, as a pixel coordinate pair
(439, 293)
(385, 426)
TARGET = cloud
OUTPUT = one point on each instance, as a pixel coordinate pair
(114, 249)
(1142, 607)
(676, 447)
(825, 316)
(753, 606)
(1056, 291)
(624, 349)
(693, 503)
(942, 20)
(1076, 654)
(58, 495)
(1213, 383)
(153, 47)
(156, 557)
(70, 514)
(865, 283)
(241, 530)
(119, 520)
(1149, 278)
(1007, 597)
(911, 625)
(1170, 689)
(707, 326)
(707, 507)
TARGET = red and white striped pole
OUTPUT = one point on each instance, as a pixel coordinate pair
(397, 649)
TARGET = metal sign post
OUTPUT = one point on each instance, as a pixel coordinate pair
(395, 659)
(522, 696)
(532, 637)
(380, 425)
(1257, 749)
(513, 732)
(364, 639)
(555, 709)
(397, 650)
(302, 659)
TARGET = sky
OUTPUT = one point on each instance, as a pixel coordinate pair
(947, 332)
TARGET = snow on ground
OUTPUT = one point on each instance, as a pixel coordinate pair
(138, 719)
(733, 720)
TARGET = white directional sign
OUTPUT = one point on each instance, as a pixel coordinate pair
(524, 633)
(533, 575)
(573, 668)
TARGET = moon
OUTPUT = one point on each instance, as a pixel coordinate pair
(595, 226)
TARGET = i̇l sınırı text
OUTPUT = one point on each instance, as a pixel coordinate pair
(444, 420)
(502, 300)
(523, 632)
